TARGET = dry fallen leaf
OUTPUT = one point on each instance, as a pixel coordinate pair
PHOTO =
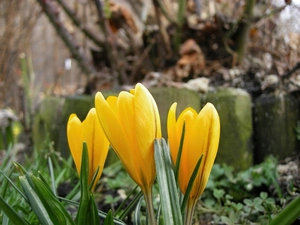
(191, 61)
(122, 15)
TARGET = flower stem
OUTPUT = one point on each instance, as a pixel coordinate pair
(149, 206)
(190, 211)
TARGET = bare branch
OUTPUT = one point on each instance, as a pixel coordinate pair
(110, 47)
(96, 39)
(70, 42)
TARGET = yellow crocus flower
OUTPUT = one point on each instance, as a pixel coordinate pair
(91, 132)
(202, 134)
(131, 123)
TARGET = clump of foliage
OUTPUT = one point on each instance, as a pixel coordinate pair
(250, 196)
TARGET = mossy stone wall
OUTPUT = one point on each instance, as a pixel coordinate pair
(46, 122)
(275, 118)
(165, 97)
(234, 107)
(272, 136)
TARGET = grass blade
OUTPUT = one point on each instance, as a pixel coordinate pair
(11, 213)
(167, 184)
(289, 214)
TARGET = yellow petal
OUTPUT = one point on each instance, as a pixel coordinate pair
(210, 113)
(202, 132)
(189, 156)
(109, 120)
(205, 138)
(131, 122)
(97, 143)
(147, 128)
(101, 146)
(74, 133)
(172, 132)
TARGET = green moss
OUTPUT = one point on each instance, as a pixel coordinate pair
(46, 120)
(234, 107)
(165, 97)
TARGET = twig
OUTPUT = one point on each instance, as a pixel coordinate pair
(141, 59)
(159, 4)
(289, 73)
(162, 31)
(110, 47)
(96, 39)
(272, 13)
(67, 38)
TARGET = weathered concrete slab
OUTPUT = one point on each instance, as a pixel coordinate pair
(275, 118)
(234, 108)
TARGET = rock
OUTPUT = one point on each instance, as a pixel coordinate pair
(165, 97)
(234, 108)
(78, 104)
(46, 122)
(275, 119)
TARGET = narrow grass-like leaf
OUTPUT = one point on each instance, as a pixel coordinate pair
(51, 171)
(158, 215)
(74, 192)
(55, 209)
(14, 217)
(131, 205)
(167, 184)
(100, 213)
(12, 183)
(94, 211)
(35, 202)
(179, 152)
(122, 204)
(190, 185)
(20, 168)
(8, 158)
(289, 214)
(94, 177)
(109, 219)
(81, 217)
(5, 185)
(137, 212)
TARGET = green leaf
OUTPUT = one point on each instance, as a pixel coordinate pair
(82, 214)
(50, 165)
(128, 209)
(190, 185)
(35, 202)
(94, 178)
(289, 214)
(167, 184)
(179, 152)
(137, 212)
(94, 211)
(109, 219)
(12, 183)
(20, 168)
(55, 209)
(127, 197)
(100, 213)
(11, 213)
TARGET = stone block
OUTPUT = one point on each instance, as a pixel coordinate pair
(275, 118)
(46, 122)
(78, 104)
(234, 108)
(165, 97)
